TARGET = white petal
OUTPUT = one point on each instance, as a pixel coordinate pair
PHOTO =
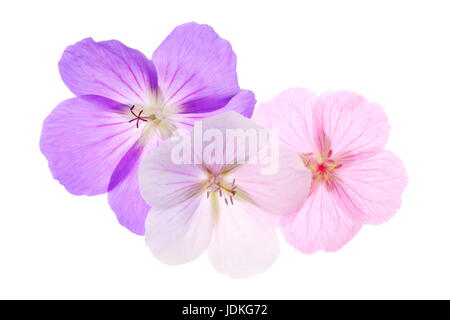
(181, 233)
(163, 183)
(283, 191)
(244, 242)
(240, 139)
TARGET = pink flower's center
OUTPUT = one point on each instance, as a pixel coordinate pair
(322, 166)
(217, 186)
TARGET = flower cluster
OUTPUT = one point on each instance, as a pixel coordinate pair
(131, 132)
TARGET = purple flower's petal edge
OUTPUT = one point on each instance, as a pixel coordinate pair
(126, 165)
(243, 103)
(109, 69)
(124, 196)
(83, 139)
(196, 69)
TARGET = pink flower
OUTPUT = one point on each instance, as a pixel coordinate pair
(219, 207)
(340, 137)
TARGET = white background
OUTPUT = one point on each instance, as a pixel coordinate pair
(397, 53)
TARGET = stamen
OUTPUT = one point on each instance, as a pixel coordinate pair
(225, 192)
(137, 116)
(321, 165)
(332, 164)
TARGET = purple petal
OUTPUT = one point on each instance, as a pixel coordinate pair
(196, 68)
(243, 102)
(127, 203)
(126, 165)
(124, 196)
(108, 69)
(84, 139)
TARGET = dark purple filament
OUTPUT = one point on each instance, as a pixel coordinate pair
(137, 116)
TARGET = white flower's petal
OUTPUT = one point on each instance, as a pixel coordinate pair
(181, 233)
(279, 187)
(244, 243)
(164, 183)
(239, 140)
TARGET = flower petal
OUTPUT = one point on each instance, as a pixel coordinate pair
(290, 112)
(243, 103)
(164, 183)
(84, 139)
(181, 233)
(196, 68)
(244, 242)
(349, 125)
(240, 136)
(282, 190)
(109, 69)
(370, 188)
(321, 224)
(124, 196)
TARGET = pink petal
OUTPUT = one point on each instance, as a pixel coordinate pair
(109, 69)
(196, 69)
(321, 224)
(349, 125)
(290, 112)
(181, 233)
(370, 188)
(280, 193)
(84, 139)
(244, 243)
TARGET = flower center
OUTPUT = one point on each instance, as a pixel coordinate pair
(217, 186)
(155, 118)
(322, 167)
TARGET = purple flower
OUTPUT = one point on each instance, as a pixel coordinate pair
(126, 104)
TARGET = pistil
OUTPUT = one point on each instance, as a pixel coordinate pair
(322, 166)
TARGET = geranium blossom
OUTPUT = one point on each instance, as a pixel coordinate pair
(340, 137)
(222, 208)
(127, 104)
